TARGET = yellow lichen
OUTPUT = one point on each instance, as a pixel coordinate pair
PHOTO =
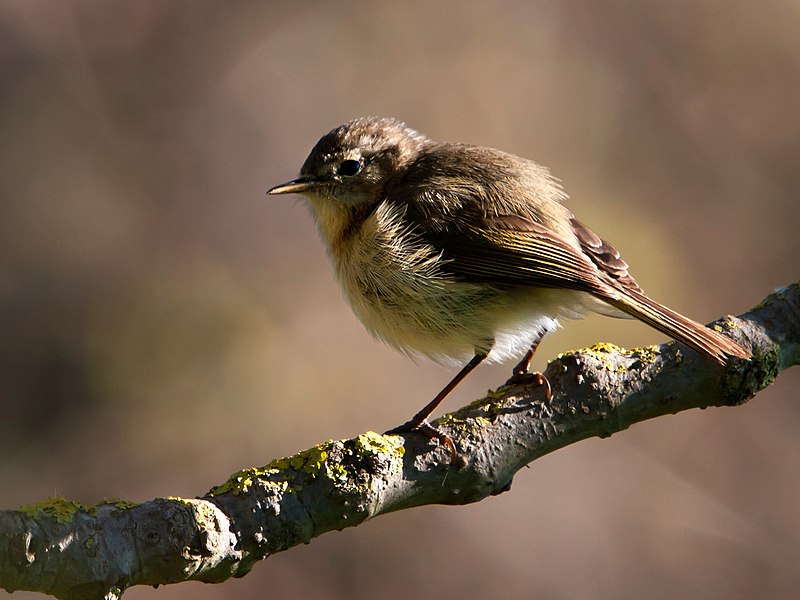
(309, 461)
(337, 473)
(290, 473)
(241, 481)
(61, 509)
(375, 443)
(119, 503)
(602, 350)
(645, 354)
(482, 422)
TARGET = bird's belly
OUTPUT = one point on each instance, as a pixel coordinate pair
(432, 314)
(400, 289)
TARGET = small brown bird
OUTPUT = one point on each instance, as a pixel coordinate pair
(454, 251)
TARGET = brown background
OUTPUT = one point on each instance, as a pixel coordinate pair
(163, 323)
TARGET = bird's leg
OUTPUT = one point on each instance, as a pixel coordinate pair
(419, 422)
(520, 374)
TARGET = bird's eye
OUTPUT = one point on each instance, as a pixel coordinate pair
(348, 168)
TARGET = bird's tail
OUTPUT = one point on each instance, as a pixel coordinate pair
(698, 337)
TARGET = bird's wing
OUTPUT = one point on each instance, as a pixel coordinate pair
(512, 250)
(604, 255)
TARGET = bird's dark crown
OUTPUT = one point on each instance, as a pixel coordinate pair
(353, 162)
(365, 137)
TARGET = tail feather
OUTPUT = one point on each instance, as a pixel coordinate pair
(698, 337)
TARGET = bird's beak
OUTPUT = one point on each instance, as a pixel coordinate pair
(295, 186)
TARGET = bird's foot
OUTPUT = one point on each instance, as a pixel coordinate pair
(528, 378)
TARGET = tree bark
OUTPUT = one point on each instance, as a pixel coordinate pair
(72, 551)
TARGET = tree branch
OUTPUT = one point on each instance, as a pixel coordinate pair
(72, 551)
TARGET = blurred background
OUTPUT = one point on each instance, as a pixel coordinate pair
(163, 323)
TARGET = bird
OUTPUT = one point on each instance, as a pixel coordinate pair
(465, 254)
